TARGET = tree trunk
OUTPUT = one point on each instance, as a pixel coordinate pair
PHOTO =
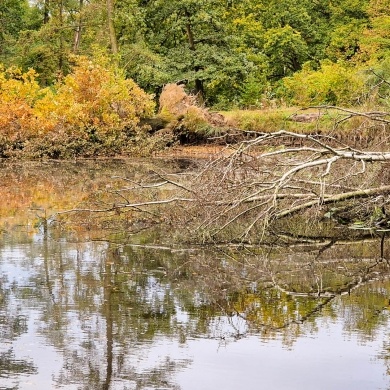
(77, 34)
(46, 8)
(111, 27)
(61, 58)
(199, 88)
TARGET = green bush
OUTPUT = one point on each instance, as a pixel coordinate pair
(332, 83)
(379, 82)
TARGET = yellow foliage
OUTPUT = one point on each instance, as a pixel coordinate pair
(99, 97)
(18, 92)
(92, 97)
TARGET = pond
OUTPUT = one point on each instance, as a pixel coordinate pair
(82, 310)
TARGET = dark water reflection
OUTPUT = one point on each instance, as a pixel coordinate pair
(103, 315)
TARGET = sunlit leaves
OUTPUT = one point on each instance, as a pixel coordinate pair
(93, 97)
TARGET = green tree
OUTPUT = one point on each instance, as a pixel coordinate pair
(227, 51)
(12, 14)
(67, 27)
(375, 40)
(347, 21)
(12, 21)
(345, 41)
(286, 50)
(277, 37)
(191, 42)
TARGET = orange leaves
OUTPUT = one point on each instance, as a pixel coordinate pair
(16, 120)
(18, 91)
(93, 97)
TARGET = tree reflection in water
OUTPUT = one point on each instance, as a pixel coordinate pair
(107, 306)
(119, 314)
(12, 325)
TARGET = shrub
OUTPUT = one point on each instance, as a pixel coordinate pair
(18, 93)
(332, 83)
(94, 104)
(96, 97)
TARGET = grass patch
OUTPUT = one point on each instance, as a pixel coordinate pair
(333, 122)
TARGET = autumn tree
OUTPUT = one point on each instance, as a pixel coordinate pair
(93, 107)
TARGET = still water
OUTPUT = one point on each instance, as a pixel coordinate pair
(84, 313)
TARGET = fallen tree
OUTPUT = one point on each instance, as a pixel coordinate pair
(274, 182)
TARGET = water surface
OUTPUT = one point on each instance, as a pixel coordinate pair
(77, 312)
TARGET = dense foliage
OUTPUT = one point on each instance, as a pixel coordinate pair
(230, 52)
(77, 77)
(93, 105)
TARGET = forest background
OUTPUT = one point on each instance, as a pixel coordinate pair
(79, 76)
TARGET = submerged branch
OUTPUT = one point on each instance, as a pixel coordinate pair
(118, 206)
(280, 183)
(241, 193)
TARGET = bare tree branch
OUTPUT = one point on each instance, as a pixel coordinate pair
(336, 198)
(373, 115)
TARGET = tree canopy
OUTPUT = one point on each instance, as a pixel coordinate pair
(229, 53)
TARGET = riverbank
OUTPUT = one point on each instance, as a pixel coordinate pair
(68, 126)
(354, 128)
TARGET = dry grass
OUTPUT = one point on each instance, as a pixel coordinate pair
(174, 101)
(206, 151)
